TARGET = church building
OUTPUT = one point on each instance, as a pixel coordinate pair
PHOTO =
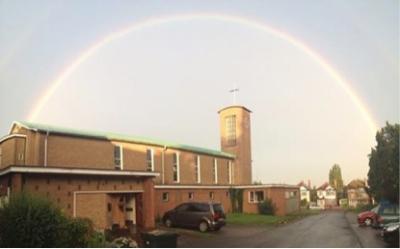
(123, 180)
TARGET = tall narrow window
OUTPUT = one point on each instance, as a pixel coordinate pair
(215, 171)
(118, 157)
(150, 160)
(230, 126)
(175, 167)
(197, 169)
(230, 172)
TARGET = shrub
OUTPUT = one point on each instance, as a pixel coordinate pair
(303, 203)
(31, 221)
(266, 207)
(76, 232)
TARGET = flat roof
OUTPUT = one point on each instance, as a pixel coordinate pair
(110, 136)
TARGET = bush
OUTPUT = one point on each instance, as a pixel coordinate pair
(31, 221)
(303, 203)
(266, 207)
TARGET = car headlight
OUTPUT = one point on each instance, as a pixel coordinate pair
(392, 228)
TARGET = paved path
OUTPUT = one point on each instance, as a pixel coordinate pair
(328, 229)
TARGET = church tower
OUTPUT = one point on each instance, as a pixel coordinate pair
(236, 139)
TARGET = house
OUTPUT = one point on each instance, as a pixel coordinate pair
(357, 194)
(326, 196)
(304, 191)
(123, 180)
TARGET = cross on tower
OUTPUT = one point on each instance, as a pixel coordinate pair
(234, 91)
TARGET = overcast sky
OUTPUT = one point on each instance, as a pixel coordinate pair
(168, 81)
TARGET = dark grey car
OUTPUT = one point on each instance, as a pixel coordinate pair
(201, 215)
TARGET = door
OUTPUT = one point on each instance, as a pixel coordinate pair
(130, 209)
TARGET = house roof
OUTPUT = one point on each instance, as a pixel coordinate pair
(323, 186)
(357, 183)
(118, 137)
(302, 184)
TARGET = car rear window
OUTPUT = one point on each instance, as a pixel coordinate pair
(218, 208)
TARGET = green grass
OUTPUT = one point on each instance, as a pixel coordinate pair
(259, 219)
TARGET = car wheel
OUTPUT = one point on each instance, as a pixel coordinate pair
(168, 222)
(203, 226)
(368, 222)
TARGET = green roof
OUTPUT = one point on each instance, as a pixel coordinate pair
(119, 137)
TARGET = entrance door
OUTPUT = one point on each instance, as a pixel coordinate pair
(130, 209)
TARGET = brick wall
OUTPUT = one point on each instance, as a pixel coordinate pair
(179, 196)
(66, 151)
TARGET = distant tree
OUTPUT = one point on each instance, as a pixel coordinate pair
(335, 180)
(257, 183)
(383, 175)
(313, 194)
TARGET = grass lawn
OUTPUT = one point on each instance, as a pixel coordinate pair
(260, 219)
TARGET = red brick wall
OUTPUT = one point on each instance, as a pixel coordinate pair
(178, 196)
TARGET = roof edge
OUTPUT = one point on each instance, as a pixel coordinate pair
(235, 106)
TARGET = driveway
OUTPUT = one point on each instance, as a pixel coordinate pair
(328, 229)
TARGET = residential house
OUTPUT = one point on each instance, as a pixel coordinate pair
(304, 191)
(326, 196)
(357, 194)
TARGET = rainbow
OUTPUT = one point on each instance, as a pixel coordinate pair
(151, 22)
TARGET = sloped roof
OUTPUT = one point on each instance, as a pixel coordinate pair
(118, 137)
(302, 184)
(323, 186)
(356, 183)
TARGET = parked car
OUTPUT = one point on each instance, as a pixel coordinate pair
(204, 216)
(368, 217)
(390, 234)
(380, 215)
(385, 215)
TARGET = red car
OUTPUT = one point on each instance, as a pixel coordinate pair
(368, 217)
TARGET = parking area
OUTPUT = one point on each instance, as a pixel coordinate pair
(328, 229)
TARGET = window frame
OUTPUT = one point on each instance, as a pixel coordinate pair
(121, 157)
(211, 195)
(230, 130)
(175, 167)
(166, 195)
(215, 171)
(151, 160)
(251, 196)
(198, 169)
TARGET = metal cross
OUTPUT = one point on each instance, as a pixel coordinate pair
(233, 91)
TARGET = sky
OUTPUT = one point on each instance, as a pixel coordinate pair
(168, 80)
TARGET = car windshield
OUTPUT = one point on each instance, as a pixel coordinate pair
(375, 209)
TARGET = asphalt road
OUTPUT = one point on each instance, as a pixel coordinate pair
(328, 229)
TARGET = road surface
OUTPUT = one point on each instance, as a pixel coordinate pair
(328, 229)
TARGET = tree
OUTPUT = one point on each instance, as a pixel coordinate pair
(313, 194)
(335, 179)
(383, 175)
